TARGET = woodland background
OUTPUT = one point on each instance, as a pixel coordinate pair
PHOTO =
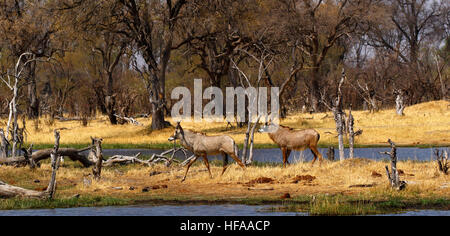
(123, 57)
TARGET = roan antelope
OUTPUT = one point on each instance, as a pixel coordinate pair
(289, 139)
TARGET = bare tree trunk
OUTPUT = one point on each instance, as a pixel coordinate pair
(9, 191)
(28, 155)
(351, 133)
(33, 101)
(99, 155)
(443, 87)
(442, 160)
(330, 153)
(252, 134)
(4, 145)
(399, 104)
(51, 189)
(110, 100)
(338, 118)
(393, 177)
(247, 135)
(340, 131)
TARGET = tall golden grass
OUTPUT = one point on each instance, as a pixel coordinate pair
(423, 178)
(426, 123)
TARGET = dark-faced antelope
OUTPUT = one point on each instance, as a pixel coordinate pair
(289, 139)
(202, 146)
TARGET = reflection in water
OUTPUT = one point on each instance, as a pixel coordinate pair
(189, 210)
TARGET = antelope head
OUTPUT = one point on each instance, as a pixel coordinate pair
(178, 133)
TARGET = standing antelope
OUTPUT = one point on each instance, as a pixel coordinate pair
(289, 139)
(202, 145)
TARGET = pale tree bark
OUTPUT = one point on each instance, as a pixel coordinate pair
(55, 160)
(4, 148)
(9, 191)
(339, 118)
(351, 133)
(14, 85)
(393, 176)
(439, 69)
(97, 149)
(399, 101)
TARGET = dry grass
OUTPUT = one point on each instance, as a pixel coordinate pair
(425, 123)
(331, 178)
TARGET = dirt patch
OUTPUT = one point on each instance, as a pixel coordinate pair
(261, 180)
(159, 186)
(401, 172)
(306, 178)
(376, 174)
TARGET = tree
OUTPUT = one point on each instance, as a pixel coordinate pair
(151, 26)
(27, 27)
(318, 26)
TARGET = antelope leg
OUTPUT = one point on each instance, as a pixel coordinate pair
(225, 162)
(205, 159)
(284, 152)
(237, 160)
(189, 166)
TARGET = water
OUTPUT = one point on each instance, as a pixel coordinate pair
(149, 210)
(274, 154)
(189, 210)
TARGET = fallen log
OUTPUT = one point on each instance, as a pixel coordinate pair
(130, 120)
(10, 191)
(72, 153)
(120, 159)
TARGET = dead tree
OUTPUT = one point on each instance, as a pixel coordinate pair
(330, 153)
(9, 191)
(393, 176)
(72, 153)
(13, 82)
(4, 148)
(442, 160)
(130, 120)
(55, 165)
(251, 126)
(399, 101)
(339, 116)
(351, 133)
(97, 150)
(368, 94)
(252, 134)
(27, 154)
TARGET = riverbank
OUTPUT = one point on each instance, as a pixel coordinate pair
(357, 186)
(423, 125)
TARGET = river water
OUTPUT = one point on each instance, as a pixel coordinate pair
(274, 154)
(186, 210)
